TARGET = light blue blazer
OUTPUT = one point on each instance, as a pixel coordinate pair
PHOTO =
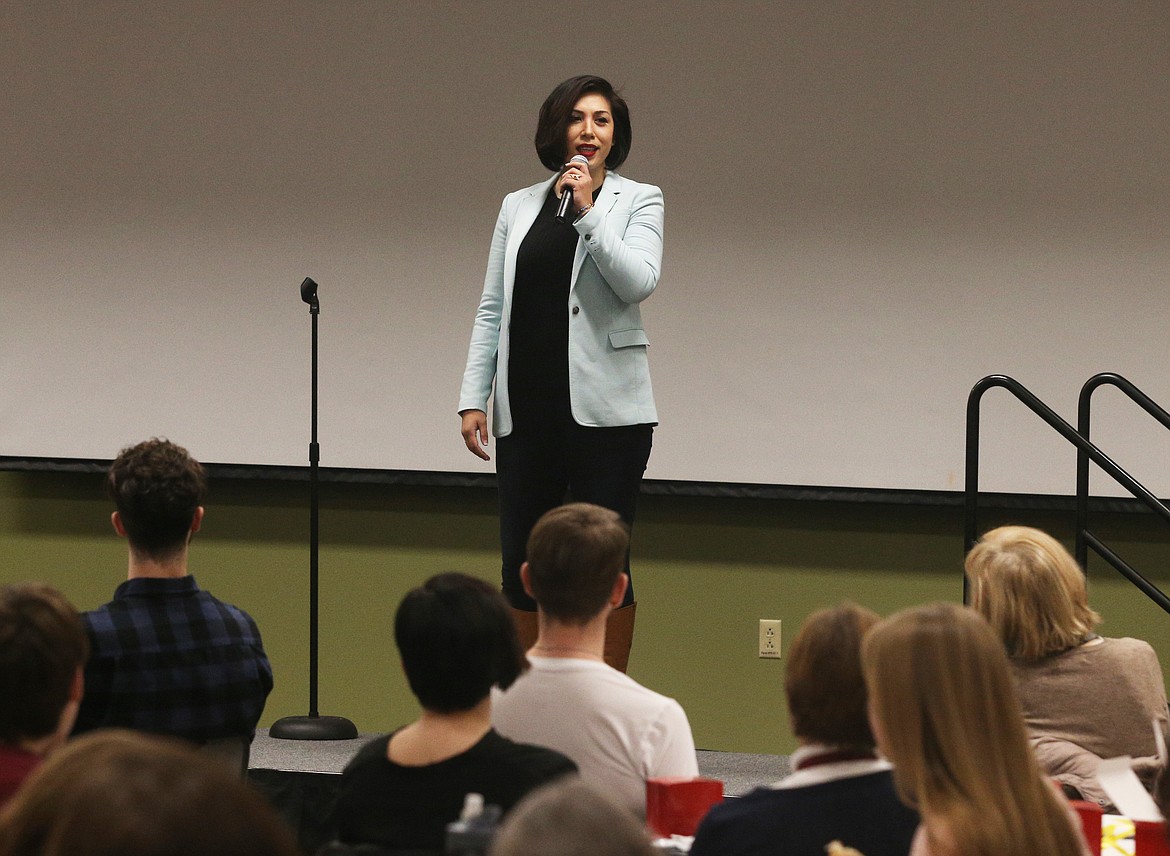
(616, 267)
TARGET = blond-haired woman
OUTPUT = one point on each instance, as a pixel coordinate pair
(1084, 697)
(944, 711)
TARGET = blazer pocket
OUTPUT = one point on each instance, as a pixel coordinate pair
(628, 338)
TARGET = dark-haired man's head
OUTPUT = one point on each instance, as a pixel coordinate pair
(576, 554)
(158, 490)
(824, 681)
(43, 648)
(457, 640)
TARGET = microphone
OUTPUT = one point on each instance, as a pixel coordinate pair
(567, 192)
(309, 290)
(309, 295)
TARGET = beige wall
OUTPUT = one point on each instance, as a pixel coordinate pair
(705, 571)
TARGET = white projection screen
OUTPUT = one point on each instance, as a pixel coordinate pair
(869, 207)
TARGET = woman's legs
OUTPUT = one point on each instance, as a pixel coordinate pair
(605, 467)
(530, 473)
(535, 468)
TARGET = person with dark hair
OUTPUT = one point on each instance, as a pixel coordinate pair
(456, 640)
(559, 334)
(42, 654)
(840, 790)
(619, 732)
(166, 656)
(123, 793)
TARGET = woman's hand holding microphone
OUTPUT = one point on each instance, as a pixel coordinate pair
(576, 178)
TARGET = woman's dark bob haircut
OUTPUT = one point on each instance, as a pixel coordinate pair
(553, 124)
(457, 640)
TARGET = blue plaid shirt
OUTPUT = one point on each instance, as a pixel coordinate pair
(169, 658)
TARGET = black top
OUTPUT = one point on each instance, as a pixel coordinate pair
(399, 807)
(538, 359)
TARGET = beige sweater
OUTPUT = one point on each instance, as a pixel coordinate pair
(1096, 701)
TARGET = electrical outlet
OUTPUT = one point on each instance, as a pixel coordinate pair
(770, 638)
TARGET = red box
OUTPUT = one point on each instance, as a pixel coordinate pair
(1150, 838)
(675, 806)
(1090, 815)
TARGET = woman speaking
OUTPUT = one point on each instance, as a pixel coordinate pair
(559, 332)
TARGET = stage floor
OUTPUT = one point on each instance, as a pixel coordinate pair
(739, 772)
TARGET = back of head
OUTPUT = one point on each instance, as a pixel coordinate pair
(570, 818)
(1031, 591)
(157, 488)
(457, 640)
(575, 554)
(121, 793)
(42, 647)
(823, 679)
(946, 715)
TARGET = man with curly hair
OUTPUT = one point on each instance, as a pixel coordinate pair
(166, 656)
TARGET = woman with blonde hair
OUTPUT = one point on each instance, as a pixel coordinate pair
(1032, 592)
(944, 711)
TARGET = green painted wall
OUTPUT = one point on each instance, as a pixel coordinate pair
(705, 571)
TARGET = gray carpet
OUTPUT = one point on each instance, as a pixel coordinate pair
(739, 772)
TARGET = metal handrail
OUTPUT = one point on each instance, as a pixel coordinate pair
(1084, 404)
(1084, 448)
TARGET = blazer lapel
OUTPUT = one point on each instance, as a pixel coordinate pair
(526, 211)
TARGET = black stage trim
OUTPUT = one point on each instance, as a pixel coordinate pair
(650, 487)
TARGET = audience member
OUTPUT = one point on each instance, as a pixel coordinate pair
(456, 638)
(123, 793)
(1032, 592)
(619, 733)
(571, 818)
(42, 654)
(166, 656)
(839, 790)
(943, 708)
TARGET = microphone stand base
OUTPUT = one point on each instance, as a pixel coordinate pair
(313, 728)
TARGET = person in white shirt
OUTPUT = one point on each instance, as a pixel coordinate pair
(618, 732)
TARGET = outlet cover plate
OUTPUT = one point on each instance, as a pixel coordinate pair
(770, 638)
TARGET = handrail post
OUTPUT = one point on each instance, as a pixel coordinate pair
(971, 476)
(1084, 405)
(1082, 544)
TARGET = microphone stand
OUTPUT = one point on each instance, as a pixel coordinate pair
(314, 726)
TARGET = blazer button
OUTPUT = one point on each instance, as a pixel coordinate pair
(576, 309)
(588, 237)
